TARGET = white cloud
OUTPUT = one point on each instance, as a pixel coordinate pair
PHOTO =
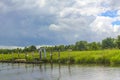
(70, 20)
(114, 4)
(118, 13)
(101, 24)
(88, 7)
(83, 21)
(54, 27)
(3, 7)
(11, 47)
(116, 28)
(73, 29)
(41, 3)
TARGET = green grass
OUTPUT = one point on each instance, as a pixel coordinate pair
(111, 57)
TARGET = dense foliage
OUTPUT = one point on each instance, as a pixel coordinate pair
(80, 52)
(107, 43)
(107, 57)
(19, 50)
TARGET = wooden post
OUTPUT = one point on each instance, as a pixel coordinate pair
(9, 55)
(69, 55)
(51, 56)
(33, 55)
(18, 55)
(59, 56)
(2, 57)
(12, 56)
(26, 56)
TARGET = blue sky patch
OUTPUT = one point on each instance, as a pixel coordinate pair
(110, 13)
(116, 23)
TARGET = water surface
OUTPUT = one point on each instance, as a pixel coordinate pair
(57, 72)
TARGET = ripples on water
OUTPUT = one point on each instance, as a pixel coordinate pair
(57, 72)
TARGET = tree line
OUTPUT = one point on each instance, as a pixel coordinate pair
(19, 50)
(107, 43)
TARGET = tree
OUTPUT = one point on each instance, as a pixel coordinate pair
(32, 48)
(118, 42)
(108, 43)
(94, 46)
(70, 47)
(81, 45)
(62, 47)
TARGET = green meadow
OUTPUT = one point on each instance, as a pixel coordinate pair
(110, 57)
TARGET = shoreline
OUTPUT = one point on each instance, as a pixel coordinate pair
(104, 57)
(42, 62)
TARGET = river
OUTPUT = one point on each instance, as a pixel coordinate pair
(57, 72)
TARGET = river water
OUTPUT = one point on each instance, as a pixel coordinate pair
(57, 72)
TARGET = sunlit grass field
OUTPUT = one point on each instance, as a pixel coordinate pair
(111, 57)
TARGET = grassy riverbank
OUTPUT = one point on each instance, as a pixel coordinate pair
(111, 57)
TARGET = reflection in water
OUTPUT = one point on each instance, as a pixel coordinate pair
(57, 72)
(33, 67)
(69, 70)
(26, 67)
(51, 66)
(40, 67)
(12, 65)
(45, 67)
(18, 65)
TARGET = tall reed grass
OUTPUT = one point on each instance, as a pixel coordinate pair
(111, 57)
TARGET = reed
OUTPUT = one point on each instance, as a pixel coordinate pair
(111, 57)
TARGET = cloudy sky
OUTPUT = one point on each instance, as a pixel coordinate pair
(53, 22)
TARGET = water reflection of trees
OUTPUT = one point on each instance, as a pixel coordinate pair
(49, 70)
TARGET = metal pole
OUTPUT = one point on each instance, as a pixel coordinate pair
(40, 54)
(44, 53)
